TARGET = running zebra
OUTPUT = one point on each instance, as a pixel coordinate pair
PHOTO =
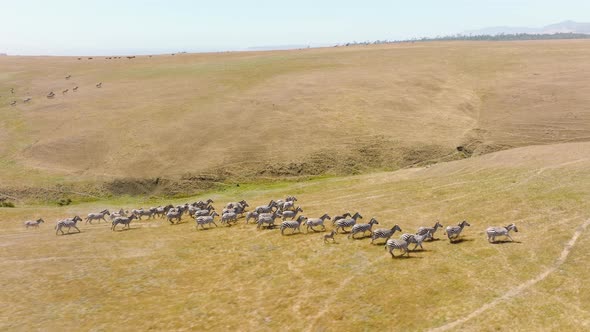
(33, 223)
(251, 215)
(97, 216)
(125, 221)
(69, 223)
(401, 245)
(492, 232)
(413, 238)
(173, 214)
(347, 222)
(384, 233)
(362, 228)
(429, 231)
(293, 224)
(330, 236)
(315, 222)
(453, 232)
(150, 213)
(342, 216)
(206, 220)
(267, 218)
(229, 217)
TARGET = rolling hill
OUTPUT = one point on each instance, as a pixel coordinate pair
(258, 115)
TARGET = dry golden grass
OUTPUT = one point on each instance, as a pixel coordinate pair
(162, 277)
(359, 108)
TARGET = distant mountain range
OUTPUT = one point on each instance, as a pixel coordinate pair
(562, 27)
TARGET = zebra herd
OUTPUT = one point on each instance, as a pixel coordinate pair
(51, 94)
(204, 215)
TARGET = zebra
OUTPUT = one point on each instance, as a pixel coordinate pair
(384, 233)
(232, 205)
(291, 213)
(162, 210)
(121, 213)
(202, 220)
(453, 232)
(393, 244)
(429, 231)
(33, 223)
(330, 236)
(492, 232)
(342, 216)
(125, 221)
(347, 222)
(414, 238)
(151, 213)
(69, 223)
(293, 224)
(362, 228)
(251, 215)
(97, 216)
(203, 212)
(314, 222)
(268, 219)
(173, 214)
(229, 217)
(266, 208)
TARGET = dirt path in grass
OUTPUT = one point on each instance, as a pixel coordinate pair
(517, 290)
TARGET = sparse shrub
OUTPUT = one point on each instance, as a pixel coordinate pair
(64, 201)
(6, 204)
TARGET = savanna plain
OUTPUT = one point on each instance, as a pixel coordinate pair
(489, 132)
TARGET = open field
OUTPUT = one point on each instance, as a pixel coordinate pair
(162, 277)
(285, 113)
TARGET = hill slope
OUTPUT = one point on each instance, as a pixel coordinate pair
(285, 113)
(176, 278)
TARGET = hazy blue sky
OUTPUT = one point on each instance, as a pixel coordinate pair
(108, 26)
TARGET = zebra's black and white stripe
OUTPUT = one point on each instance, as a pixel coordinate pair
(384, 233)
(429, 231)
(69, 223)
(347, 222)
(97, 216)
(413, 238)
(316, 222)
(362, 228)
(492, 232)
(125, 221)
(292, 224)
(267, 218)
(453, 232)
(206, 220)
(33, 223)
(393, 244)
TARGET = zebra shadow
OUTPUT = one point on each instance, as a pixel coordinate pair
(179, 223)
(293, 234)
(505, 242)
(407, 257)
(126, 229)
(205, 229)
(461, 240)
(70, 233)
(420, 250)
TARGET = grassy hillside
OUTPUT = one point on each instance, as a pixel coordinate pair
(285, 113)
(238, 278)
